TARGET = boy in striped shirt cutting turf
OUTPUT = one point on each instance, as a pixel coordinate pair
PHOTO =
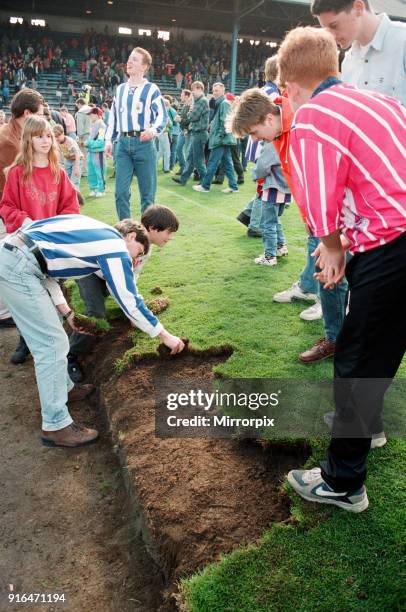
(69, 246)
(347, 153)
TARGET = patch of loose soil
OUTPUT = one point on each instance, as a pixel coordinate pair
(66, 524)
(197, 498)
(158, 305)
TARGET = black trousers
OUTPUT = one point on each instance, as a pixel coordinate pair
(369, 351)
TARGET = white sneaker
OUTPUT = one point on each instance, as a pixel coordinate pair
(263, 260)
(92, 193)
(378, 440)
(229, 190)
(200, 188)
(282, 251)
(310, 485)
(100, 194)
(313, 313)
(294, 293)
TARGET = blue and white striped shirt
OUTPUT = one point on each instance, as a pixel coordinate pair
(75, 246)
(136, 109)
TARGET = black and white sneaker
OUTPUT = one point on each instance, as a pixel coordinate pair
(310, 485)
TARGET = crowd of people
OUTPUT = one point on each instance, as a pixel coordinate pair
(342, 160)
(26, 53)
(185, 61)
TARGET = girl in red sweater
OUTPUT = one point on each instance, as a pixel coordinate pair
(36, 188)
(36, 185)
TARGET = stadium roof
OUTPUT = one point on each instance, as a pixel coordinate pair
(269, 18)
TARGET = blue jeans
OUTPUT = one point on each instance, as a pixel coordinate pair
(254, 211)
(174, 150)
(69, 169)
(183, 150)
(333, 301)
(220, 154)
(164, 150)
(22, 288)
(272, 231)
(139, 158)
(307, 282)
(195, 158)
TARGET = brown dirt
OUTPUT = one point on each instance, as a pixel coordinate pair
(156, 291)
(197, 498)
(158, 305)
(66, 524)
(88, 325)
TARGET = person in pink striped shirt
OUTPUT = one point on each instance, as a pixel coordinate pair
(348, 163)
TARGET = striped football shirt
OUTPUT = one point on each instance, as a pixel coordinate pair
(75, 246)
(136, 109)
(348, 161)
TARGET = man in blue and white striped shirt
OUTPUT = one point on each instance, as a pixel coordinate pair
(137, 116)
(69, 246)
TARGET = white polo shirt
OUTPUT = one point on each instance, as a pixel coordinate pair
(381, 65)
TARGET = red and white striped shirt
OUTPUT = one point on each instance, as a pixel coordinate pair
(348, 162)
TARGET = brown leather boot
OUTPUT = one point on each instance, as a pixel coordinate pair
(79, 393)
(73, 435)
(321, 350)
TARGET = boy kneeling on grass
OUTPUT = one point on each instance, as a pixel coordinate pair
(69, 246)
(160, 224)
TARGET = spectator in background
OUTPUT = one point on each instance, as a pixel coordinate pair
(69, 122)
(71, 155)
(6, 90)
(174, 131)
(96, 159)
(83, 130)
(179, 79)
(184, 135)
(106, 112)
(220, 143)
(164, 145)
(198, 128)
(234, 148)
(58, 94)
(2, 118)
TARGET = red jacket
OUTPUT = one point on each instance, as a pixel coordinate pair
(39, 198)
(282, 146)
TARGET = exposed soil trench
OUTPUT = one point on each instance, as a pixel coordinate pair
(193, 498)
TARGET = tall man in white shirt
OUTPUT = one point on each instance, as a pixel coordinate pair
(137, 116)
(376, 58)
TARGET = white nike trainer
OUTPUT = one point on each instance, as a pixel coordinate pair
(310, 485)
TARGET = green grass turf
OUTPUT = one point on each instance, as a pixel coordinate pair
(329, 559)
